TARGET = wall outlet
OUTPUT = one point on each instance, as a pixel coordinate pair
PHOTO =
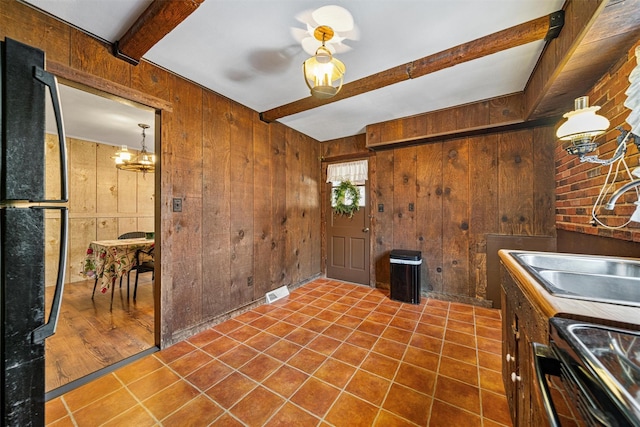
(250, 281)
(177, 205)
(380, 207)
(411, 207)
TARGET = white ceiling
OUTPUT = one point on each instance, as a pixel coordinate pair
(95, 118)
(246, 51)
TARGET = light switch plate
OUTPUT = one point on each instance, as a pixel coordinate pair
(177, 205)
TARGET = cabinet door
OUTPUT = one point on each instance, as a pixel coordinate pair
(523, 380)
(509, 354)
(523, 322)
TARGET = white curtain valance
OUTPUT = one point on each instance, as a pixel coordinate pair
(356, 172)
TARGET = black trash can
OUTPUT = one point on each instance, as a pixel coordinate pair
(405, 275)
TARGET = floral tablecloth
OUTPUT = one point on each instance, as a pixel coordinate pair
(109, 260)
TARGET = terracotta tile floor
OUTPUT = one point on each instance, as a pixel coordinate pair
(331, 353)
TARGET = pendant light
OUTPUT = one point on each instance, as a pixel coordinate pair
(323, 73)
(143, 162)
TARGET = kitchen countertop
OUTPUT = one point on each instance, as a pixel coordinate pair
(552, 306)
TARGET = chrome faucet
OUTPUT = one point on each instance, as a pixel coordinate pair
(628, 186)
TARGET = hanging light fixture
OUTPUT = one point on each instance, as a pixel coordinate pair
(323, 73)
(581, 127)
(122, 155)
(143, 162)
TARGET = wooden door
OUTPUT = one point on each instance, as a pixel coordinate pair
(348, 249)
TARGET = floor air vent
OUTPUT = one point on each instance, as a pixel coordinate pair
(275, 295)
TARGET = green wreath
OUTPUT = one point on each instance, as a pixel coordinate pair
(346, 191)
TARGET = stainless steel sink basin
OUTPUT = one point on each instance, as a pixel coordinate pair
(614, 289)
(582, 263)
(595, 278)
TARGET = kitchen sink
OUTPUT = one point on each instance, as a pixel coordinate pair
(581, 263)
(595, 286)
(595, 278)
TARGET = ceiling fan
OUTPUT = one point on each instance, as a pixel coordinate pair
(336, 18)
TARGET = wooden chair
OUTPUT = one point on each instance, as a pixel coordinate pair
(145, 263)
(132, 235)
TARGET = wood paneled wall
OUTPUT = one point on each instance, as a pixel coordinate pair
(498, 111)
(250, 220)
(462, 190)
(104, 202)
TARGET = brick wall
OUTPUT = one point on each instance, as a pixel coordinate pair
(578, 184)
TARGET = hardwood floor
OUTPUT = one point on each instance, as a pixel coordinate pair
(90, 337)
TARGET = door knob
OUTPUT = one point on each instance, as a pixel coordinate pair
(365, 230)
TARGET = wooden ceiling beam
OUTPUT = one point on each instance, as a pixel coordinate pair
(528, 32)
(598, 34)
(545, 27)
(158, 20)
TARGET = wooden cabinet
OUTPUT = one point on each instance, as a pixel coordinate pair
(526, 309)
(523, 323)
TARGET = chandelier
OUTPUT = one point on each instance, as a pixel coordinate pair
(143, 162)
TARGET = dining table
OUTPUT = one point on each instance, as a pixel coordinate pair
(109, 260)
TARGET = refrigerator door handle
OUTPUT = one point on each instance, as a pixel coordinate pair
(51, 82)
(49, 328)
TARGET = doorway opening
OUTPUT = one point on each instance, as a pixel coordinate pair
(105, 203)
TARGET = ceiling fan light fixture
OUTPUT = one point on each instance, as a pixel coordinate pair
(338, 17)
(323, 55)
(324, 79)
(323, 73)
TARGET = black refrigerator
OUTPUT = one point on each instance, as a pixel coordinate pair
(24, 206)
